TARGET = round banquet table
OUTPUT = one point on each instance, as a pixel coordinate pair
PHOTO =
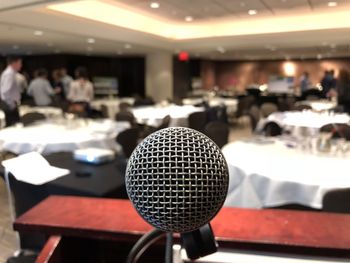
(303, 123)
(269, 173)
(46, 137)
(111, 104)
(153, 115)
(319, 105)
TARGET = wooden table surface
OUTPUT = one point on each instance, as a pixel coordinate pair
(117, 219)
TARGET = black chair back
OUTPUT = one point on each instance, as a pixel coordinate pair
(337, 201)
(124, 106)
(338, 130)
(126, 116)
(197, 120)
(104, 111)
(272, 129)
(128, 139)
(165, 123)
(267, 108)
(32, 117)
(217, 131)
(254, 115)
(302, 107)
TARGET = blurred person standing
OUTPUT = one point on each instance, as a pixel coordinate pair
(41, 90)
(328, 82)
(305, 82)
(81, 90)
(10, 90)
(343, 90)
(57, 84)
(66, 80)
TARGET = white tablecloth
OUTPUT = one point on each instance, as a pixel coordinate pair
(153, 115)
(65, 136)
(320, 105)
(265, 175)
(111, 104)
(297, 121)
(231, 104)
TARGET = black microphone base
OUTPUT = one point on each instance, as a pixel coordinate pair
(199, 243)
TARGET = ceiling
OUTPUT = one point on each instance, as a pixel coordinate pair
(177, 10)
(65, 33)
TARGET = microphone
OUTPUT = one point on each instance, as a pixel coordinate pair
(177, 179)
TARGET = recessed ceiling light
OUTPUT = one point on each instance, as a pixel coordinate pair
(90, 40)
(332, 4)
(154, 5)
(319, 56)
(38, 33)
(333, 46)
(127, 46)
(252, 12)
(188, 18)
(15, 47)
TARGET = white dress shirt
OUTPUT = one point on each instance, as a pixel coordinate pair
(9, 89)
(81, 91)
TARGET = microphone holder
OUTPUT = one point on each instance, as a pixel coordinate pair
(200, 242)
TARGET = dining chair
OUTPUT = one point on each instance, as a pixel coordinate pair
(272, 129)
(267, 108)
(32, 117)
(254, 115)
(301, 107)
(128, 139)
(197, 120)
(126, 116)
(337, 201)
(338, 130)
(217, 131)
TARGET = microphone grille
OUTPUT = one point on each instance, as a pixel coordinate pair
(177, 179)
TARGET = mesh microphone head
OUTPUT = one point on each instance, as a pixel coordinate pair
(177, 179)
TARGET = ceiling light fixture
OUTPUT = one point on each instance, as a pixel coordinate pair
(154, 5)
(90, 40)
(252, 12)
(127, 46)
(15, 47)
(38, 33)
(188, 18)
(332, 4)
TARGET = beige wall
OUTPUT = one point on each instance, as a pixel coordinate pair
(228, 74)
(159, 76)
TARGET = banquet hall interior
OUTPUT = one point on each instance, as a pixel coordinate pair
(84, 82)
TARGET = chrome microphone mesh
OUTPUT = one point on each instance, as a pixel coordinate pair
(177, 179)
